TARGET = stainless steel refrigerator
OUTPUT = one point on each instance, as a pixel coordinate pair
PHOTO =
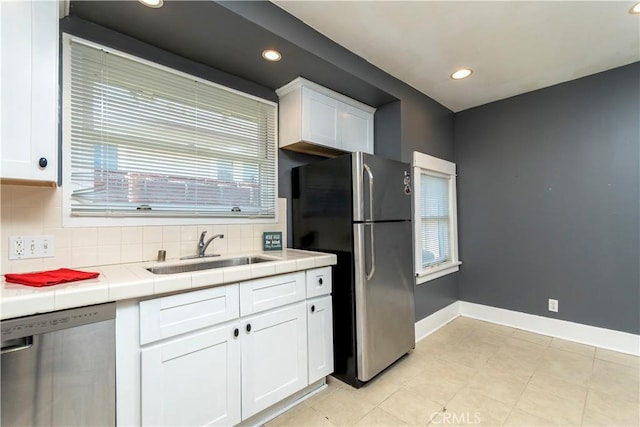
(358, 206)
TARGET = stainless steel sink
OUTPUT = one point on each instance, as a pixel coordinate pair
(206, 265)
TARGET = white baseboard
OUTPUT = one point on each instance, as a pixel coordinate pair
(622, 342)
(437, 320)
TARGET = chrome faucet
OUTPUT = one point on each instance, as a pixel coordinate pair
(202, 245)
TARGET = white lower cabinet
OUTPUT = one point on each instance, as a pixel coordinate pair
(320, 333)
(274, 357)
(192, 381)
(205, 363)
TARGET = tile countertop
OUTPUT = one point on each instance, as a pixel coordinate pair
(126, 281)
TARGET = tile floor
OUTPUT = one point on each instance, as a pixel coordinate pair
(477, 373)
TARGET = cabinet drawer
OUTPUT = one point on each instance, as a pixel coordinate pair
(271, 292)
(318, 282)
(177, 314)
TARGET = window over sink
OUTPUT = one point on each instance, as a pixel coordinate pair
(145, 144)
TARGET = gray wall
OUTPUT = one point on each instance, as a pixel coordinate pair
(387, 131)
(415, 122)
(115, 40)
(548, 190)
(428, 127)
(288, 160)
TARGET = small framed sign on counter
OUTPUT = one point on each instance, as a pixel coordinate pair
(272, 241)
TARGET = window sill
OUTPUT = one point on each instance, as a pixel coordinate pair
(436, 272)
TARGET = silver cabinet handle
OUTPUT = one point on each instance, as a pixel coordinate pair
(25, 343)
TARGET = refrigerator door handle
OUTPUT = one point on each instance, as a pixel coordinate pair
(373, 253)
(368, 170)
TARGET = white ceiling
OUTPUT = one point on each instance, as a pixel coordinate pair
(513, 46)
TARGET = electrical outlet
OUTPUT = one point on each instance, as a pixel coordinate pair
(17, 246)
(24, 247)
(553, 305)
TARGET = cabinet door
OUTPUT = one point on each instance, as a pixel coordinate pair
(274, 357)
(356, 129)
(29, 125)
(319, 118)
(320, 337)
(193, 381)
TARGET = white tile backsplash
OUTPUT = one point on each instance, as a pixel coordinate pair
(150, 250)
(234, 231)
(52, 217)
(109, 254)
(38, 210)
(22, 219)
(171, 233)
(83, 256)
(187, 248)
(188, 233)
(109, 236)
(62, 237)
(152, 234)
(81, 237)
(131, 235)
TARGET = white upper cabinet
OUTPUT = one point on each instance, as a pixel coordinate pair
(316, 120)
(319, 118)
(29, 90)
(356, 129)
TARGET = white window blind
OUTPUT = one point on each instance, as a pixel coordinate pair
(435, 214)
(434, 208)
(148, 141)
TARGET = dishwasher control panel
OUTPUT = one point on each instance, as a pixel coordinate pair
(49, 322)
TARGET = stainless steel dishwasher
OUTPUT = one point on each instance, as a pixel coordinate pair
(58, 369)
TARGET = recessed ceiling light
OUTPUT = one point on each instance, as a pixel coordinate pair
(462, 73)
(635, 9)
(271, 55)
(152, 3)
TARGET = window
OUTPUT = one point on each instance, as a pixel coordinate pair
(144, 141)
(436, 239)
